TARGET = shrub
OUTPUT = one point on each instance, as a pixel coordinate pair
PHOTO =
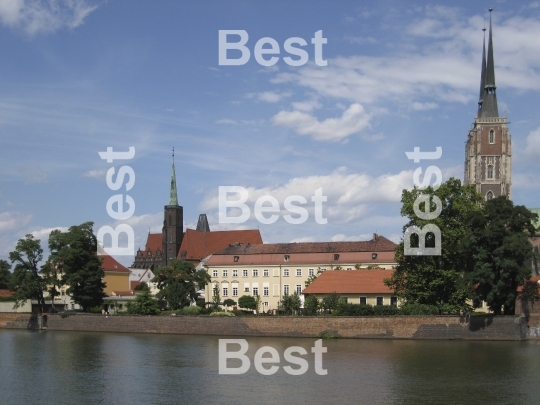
(143, 304)
(419, 309)
(385, 310)
(345, 309)
(222, 314)
(247, 302)
(191, 310)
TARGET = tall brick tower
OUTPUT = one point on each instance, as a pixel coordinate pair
(488, 153)
(173, 223)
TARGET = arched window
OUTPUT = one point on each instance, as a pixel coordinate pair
(489, 195)
(170, 238)
(170, 254)
(491, 136)
(490, 171)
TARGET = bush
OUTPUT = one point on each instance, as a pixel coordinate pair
(222, 314)
(96, 310)
(385, 310)
(345, 309)
(143, 304)
(247, 302)
(191, 310)
(419, 309)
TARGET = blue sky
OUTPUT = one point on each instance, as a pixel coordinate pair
(79, 76)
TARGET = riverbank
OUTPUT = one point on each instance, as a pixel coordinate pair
(390, 327)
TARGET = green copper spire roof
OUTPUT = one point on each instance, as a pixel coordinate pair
(173, 200)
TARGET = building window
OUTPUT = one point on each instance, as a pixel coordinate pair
(346, 299)
(266, 291)
(491, 136)
(373, 256)
(286, 258)
(285, 289)
(298, 272)
(244, 273)
(490, 171)
(311, 272)
(285, 272)
(214, 273)
(235, 259)
(265, 272)
(225, 273)
(298, 289)
(255, 273)
(246, 289)
(225, 291)
(235, 291)
(380, 301)
(235, 273)
(265, 303)
(170, 238)
(336, 257)
(489, 195)
(255, 291)
(363, 300)
(393, 301)
(170, 254)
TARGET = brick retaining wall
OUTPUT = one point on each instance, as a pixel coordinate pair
(396, 327)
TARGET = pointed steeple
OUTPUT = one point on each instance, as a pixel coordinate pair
(202, 223)
(483, 74)
(173, 200)
(489, 101)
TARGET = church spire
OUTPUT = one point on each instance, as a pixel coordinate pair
(489, 101)
(173, 200)
(483, 74)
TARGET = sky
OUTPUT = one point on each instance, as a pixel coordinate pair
(79, 76)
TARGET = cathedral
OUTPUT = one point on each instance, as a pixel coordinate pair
(488, 153)
(194, 245)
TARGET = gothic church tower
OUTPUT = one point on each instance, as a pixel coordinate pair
(173, 223)
(488, 153)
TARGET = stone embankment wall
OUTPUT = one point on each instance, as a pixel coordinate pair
(392, 327)
(531, 311)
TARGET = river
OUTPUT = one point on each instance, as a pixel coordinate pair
(96, 368)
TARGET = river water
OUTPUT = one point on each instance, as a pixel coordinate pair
(96, 368)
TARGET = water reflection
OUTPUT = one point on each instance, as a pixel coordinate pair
(77, 367)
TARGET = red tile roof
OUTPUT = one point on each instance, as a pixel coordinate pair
(196, 245)
(153, 243)
(109, 264)
(6, 293)
(350, 282)
(133, 284)
(123, 293)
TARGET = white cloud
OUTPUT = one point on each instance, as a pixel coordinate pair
(96, 174)
(349, 195)
(44, 233)
(340, 237)
(34, 16)
(353, 120)
(13, 221)
(423, 106)
(270, 96)
(533, 145)
(303, 239)
(227, 121)
(308, 105)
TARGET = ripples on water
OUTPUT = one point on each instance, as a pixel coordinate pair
(94, 368)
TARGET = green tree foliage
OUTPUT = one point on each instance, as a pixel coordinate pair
(51, 274)
(26, 281)
(229, 302)
(247, 302)
(437, 280)
(312, 278)
(75, 252)
(311, 305)
(497, 250)
(5, 274)
(216, 299)
(290, 304)
(142, 286)
(258, 303)
(179, 282)
(330, 301)
(143, 304)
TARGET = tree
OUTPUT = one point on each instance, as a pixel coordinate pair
(311, 305)
(51, 274)
(142, 286)
(229, 302)
(258, 302)
(143, 304)
(75, 253)
(25, 280)
(179, 283)
(5, 274)
(216, 299)
(330, 301)
(436, 280)
(497, 250)
(290, 304)
(247, 302)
